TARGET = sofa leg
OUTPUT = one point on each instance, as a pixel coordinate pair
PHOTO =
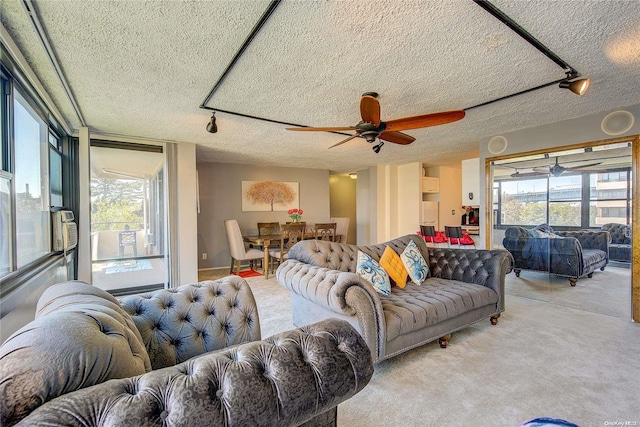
(573, 281)
(590, 275)
(517, 271)
(444, 340)
(494, 319)
(601, 268)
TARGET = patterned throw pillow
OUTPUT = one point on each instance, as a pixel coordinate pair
(414, 262)
(393, 265)
(372, 272)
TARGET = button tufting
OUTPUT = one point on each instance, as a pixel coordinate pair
(164, 415)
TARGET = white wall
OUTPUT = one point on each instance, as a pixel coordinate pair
(187, 214)
(409, 198)
(342, 201)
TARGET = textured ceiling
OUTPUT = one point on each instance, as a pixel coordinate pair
(141, 69)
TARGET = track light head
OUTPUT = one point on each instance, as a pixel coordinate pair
(579, 86)
(377, 148)
(212, 127)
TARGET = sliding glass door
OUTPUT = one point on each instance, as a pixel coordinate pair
(128, 226)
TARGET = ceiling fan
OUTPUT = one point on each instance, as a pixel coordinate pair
(557, 169)
(371, 127)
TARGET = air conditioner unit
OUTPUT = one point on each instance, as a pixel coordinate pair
(65, 231)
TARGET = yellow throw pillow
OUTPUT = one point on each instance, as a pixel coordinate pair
(394, 267)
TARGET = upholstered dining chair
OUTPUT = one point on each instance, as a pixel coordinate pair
(290, 234)
(269, 229)
(326, 231)
(429, 234)
(342, 227)
(236, 246)
(455, 236)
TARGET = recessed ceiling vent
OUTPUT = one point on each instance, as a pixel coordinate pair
(617, 122)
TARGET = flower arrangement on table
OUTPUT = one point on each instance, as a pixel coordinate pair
(295, 214)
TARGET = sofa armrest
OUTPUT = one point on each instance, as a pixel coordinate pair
(482, 267)
(342, 292)
(178, 324)
(284, 380)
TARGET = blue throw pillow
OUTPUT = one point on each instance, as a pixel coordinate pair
(369, 269)
(415, 264)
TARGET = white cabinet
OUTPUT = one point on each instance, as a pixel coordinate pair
(471, 182)
(430, 184)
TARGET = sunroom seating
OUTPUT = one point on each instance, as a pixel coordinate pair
(620, 246)
(572, 254)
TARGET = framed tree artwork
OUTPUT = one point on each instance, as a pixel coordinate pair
(269, 196)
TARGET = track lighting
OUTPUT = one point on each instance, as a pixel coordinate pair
(377, 148)
(212, 127)
(579, 87)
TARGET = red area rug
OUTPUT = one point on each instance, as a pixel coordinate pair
(248, 273)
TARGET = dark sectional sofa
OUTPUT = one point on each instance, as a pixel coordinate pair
(572, 254)
(620, 246)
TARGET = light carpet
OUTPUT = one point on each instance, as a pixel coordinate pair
(565, 352)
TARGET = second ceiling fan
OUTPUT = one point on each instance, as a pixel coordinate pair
(372, 127)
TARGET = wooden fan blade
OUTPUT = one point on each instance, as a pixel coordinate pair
(334, 129)
(344, 140)
(370, 110)
(397, 137)
(425, 120)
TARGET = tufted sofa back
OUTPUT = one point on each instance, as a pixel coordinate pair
(177, 324)
(620, 233)
(343, 257)
(80, 337)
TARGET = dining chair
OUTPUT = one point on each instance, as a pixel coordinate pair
(428, 233)
(342, 228)
(455, 236)
(236, 246)
(290, 234)
(326, 231)
(269, 229)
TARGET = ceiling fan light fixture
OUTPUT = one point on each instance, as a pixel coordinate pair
(377, 148)
(579, 87)
(212, 127)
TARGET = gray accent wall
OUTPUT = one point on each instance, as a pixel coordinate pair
(220, 198)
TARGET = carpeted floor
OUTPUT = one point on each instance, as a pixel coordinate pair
(562, 352)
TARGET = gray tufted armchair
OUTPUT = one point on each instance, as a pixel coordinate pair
(89, 360)
(620, 246)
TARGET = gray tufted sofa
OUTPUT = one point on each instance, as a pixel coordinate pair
(89, 360)
(465, 286)
(620, 246)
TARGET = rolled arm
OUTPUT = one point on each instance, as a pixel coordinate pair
(325, 287)
(284, 380)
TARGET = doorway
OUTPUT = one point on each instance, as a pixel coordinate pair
(570, 189)
(128, 227)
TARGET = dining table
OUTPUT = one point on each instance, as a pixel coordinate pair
(266, 240)
(263, 241)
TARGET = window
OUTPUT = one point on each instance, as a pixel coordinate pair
(565, 200)
(590, 190)
(32, 163)
(610, 197)
(523, 202)
(31, 177)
